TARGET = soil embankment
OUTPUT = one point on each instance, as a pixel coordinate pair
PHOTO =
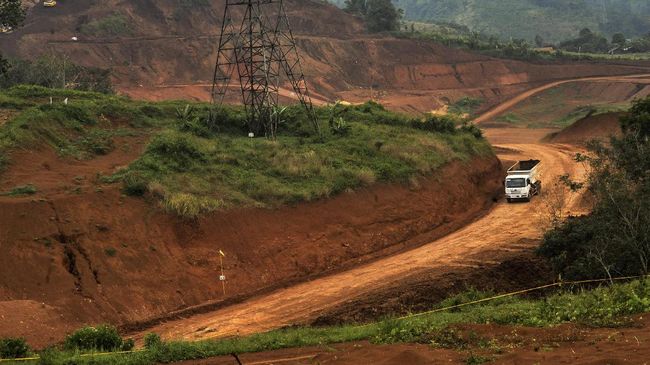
(76, 253)
(593, 127)
(170, 50)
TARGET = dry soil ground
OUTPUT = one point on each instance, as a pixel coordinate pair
(507, 228)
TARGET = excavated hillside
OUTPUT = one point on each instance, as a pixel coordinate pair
(167, 49)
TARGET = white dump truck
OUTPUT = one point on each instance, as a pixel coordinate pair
(523, 180)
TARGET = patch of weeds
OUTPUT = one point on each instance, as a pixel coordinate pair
(135, 184)
(448, 338)
(97, 142)
(474, 359)
(189, 206)
(23, 190)
(110, 252)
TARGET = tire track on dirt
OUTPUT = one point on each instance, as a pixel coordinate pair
(302, 303)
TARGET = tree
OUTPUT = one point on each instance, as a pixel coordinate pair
(585, 32)
(357, 7)
(615, 238)
(381, 15)
(12, 15)
(619, 39)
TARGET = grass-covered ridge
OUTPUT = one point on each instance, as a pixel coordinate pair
(601, 307)
(194, 164)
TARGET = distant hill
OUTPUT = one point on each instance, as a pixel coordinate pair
(554, 20)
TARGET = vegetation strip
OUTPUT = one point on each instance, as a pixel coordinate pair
(399, 329)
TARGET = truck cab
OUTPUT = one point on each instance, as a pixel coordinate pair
(523, 181)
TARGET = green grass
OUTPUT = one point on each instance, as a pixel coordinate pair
(22, 190)
(612, 57)
(194, 167)
(601, 307)
(561, 106)
(112, 25)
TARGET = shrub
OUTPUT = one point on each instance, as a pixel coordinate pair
(472, 129)
(436, 123)
(100, 338)
(177, 151)
(152, 340)
(128, 345)
(13, 348)
(614, 239)
(135, 184)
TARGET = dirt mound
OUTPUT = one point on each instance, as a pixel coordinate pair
(600, 127)
(92, 255)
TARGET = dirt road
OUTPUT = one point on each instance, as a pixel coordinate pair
(501, 108)
(503, 228)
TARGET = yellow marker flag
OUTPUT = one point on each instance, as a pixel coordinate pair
(221, 253)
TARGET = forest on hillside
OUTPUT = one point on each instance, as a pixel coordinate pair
(552, 20)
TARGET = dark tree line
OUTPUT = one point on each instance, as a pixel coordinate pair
(12, 15)
(379, 15)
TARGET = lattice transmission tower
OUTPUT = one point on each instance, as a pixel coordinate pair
(262, 50)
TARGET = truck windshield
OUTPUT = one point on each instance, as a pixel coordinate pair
(515, 183)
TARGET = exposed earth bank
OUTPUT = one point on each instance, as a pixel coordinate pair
(87, 254)
(169, 52)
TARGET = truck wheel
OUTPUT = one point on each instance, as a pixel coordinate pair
(509, 200)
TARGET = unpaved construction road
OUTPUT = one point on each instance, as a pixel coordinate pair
(502, 229)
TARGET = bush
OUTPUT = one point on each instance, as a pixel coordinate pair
(177, 151)
(13, 348)
(436, 123)
(472, 129)
(152, 340)
(614, 239)
(135, 184)
(100, 338)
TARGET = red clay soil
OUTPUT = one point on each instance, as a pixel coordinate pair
(564, 344)
(80, 252)
(170, 46)
(599, 127)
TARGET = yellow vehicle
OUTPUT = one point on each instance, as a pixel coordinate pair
(49, 3)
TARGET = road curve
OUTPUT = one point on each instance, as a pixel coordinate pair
(509, 104)
(306, 301)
